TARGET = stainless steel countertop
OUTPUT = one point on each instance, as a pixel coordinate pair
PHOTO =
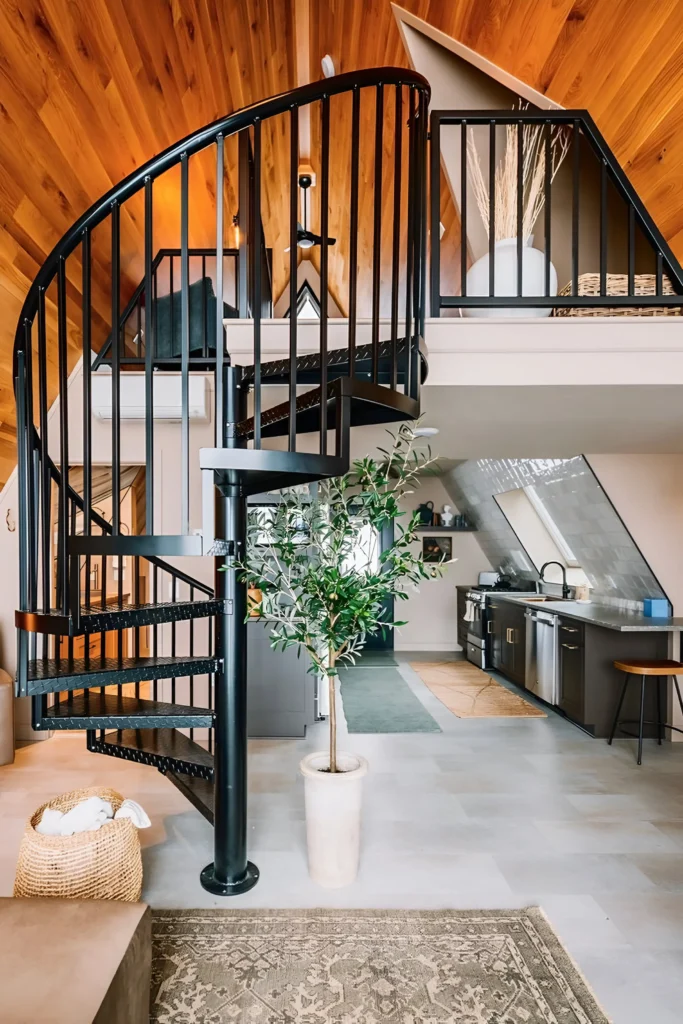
(599, 615)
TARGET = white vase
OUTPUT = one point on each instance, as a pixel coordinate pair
(333, 817)
(505, 263)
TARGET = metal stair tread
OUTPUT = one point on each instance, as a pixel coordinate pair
(110, 710)
(308, 364)
(101, 620)
(167, 749)
(197, 790)
(56, 675)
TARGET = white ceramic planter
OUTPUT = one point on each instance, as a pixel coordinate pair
(333, 817)
(505, 262)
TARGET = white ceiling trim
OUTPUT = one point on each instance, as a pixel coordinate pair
(404, 17)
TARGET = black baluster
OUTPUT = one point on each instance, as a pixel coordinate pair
(324, 282)
(659, 274)
(173, 636)
(520, 208)
(63, 516)
(293, 252)
(220, 344)
(631, 250)
(116, 367)
(184, 347)
(191, 656)
(603, 227)
(435, 215)
(46, 476)
(155, 629)
(576, 168)
(396, 245)
(492, 208)
(410, 248)
(87, 405)
(255, 244)
(353, 229)
(150, 315)
(547, 186)
(377, 230)
(463, 213)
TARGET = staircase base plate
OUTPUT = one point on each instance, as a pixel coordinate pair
(220, 888)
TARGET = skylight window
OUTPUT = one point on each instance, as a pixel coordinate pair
(539, 535)
(551, 526)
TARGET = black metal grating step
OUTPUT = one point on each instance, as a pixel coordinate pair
(166, 749)
(198, 791)
(111, 711)
(53, 676)
(101, 620)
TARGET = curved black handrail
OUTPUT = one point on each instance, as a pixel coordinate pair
(193, 143)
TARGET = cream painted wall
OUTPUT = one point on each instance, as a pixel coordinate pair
(432, 613)
(647, 491)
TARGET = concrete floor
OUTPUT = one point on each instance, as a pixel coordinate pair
(488, 813)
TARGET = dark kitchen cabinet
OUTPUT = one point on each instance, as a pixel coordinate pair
(507, 638)
(571, 636)
(514, 643)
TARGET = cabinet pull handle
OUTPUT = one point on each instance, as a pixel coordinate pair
(571, 647)
(570, 629)
(509, 633)
(489, 627)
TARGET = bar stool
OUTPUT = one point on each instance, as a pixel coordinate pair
(646, 670)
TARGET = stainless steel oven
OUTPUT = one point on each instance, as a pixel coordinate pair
(476, 628)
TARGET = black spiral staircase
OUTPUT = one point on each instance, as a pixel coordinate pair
(125, 665)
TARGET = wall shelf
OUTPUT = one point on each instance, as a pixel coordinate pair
(445, 529)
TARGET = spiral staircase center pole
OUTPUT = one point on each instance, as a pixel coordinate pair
(231, 873)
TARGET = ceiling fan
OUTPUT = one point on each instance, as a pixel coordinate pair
(306, 239)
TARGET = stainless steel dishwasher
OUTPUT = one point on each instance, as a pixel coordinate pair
(541, 674)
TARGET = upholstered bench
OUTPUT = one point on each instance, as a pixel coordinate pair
(74, 961)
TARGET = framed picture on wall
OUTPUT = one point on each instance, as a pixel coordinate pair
(437, 549)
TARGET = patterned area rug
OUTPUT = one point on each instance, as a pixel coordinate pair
(470, 693)
(364, 967)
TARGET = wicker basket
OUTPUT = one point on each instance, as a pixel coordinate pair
(617, 284)
(101, 865)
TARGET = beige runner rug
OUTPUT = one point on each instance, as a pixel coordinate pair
(470, 693)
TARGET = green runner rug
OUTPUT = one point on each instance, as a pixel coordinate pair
(380, 700)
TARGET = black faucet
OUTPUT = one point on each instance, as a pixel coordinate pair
(565, 588)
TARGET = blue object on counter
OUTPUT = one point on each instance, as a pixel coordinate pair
(656, 607)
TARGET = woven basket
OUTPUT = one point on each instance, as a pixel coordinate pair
(617, 284)
(101, 865)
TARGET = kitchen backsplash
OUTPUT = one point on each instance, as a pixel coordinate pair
(605, 550)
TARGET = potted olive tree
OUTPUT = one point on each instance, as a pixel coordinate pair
(324, 590)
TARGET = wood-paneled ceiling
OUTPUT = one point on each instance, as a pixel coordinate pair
(90, 89)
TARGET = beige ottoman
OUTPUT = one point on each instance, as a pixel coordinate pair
(74, 962)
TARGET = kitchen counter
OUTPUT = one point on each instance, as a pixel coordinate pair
(600, 615)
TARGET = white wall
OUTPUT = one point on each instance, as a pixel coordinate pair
(432, 613)
(647, 492)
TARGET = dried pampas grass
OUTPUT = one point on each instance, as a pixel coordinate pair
(505, 182)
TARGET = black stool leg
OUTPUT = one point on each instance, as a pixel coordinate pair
(642, 716)
(678, 691)
(660, 723)
(618, 711)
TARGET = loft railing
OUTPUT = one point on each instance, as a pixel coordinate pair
(591, 221)
(79, 294)
(166, 265)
